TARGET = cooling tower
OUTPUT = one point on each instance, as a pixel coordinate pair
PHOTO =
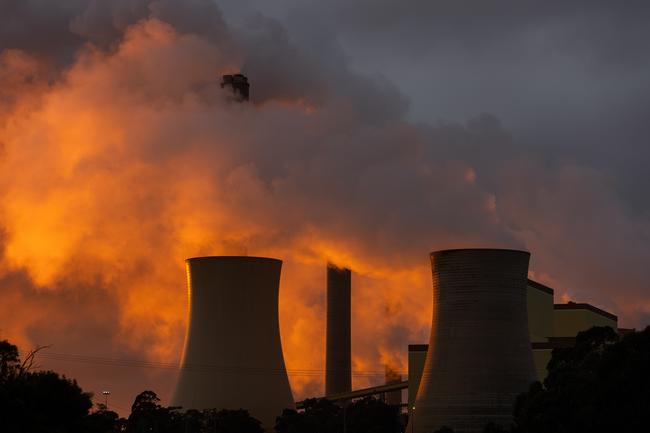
(233, 355)
(338, 361)
(479, 356)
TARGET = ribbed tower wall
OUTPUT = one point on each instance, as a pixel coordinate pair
(233, 355)
(338, 358)
(479, 356)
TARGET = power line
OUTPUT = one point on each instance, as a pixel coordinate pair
(201, 368)
(112, 405)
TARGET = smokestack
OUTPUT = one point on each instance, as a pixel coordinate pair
(233, 356)
(479, 356)
(237, 84)
(338, 362)
(393, 398)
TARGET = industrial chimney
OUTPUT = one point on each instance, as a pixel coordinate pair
(237, 84)
(391, 376)
(233, 356)
(479, 356)
(338, 359)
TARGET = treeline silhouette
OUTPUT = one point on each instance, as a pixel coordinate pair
(45, 402)
(600, 385)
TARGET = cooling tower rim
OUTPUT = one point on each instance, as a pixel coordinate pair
(332, 265)
(511, 250)
(233, 258)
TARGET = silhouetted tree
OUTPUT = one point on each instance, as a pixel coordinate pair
(599, 385)
(44, 402)
(370, 415)
(318, 416)
(234, 421)
(291, 421)
(495, 428)
(147, 416)
(9, 361)
(104, 421)
(367, 415)
(39, 401)
(194, 420)
(489, 428)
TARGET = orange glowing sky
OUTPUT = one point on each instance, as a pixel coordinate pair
(129, 159)
(90, 199)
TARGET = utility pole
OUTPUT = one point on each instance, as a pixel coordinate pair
(106, 394)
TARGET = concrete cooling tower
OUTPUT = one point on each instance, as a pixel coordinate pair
(479, 356)
(338, 357)
(233, 355)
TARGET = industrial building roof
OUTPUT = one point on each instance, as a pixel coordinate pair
(583, 306)
(554, 343)
(540, 286)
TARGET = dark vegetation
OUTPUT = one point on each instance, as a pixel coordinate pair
(44, 402)
(602, 384)
(368, 415)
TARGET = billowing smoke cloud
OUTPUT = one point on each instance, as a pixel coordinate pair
(120, 156)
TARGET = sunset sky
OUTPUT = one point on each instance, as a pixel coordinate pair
(377, 132)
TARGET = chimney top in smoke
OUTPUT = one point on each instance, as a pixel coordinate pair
(238, 84)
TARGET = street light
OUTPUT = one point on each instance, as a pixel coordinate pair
(413, 420)
(106, 394)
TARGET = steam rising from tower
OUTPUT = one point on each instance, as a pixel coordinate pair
(233, 354)
(479, 356)
(338, 362)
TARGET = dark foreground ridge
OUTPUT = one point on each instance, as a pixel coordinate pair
(599, 385)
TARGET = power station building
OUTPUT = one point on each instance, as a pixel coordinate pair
(233, 355)
(550, 326)
(494, 330)
(492, 334)
(556, 325)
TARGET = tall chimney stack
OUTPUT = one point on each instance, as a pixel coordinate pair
(392, 376)
(237, 84)
(338, 362)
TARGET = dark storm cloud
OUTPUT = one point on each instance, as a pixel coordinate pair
(608, 31)
(58, 28)
(569, 78)
(39, 26)
(283, 68)
(103, 22)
